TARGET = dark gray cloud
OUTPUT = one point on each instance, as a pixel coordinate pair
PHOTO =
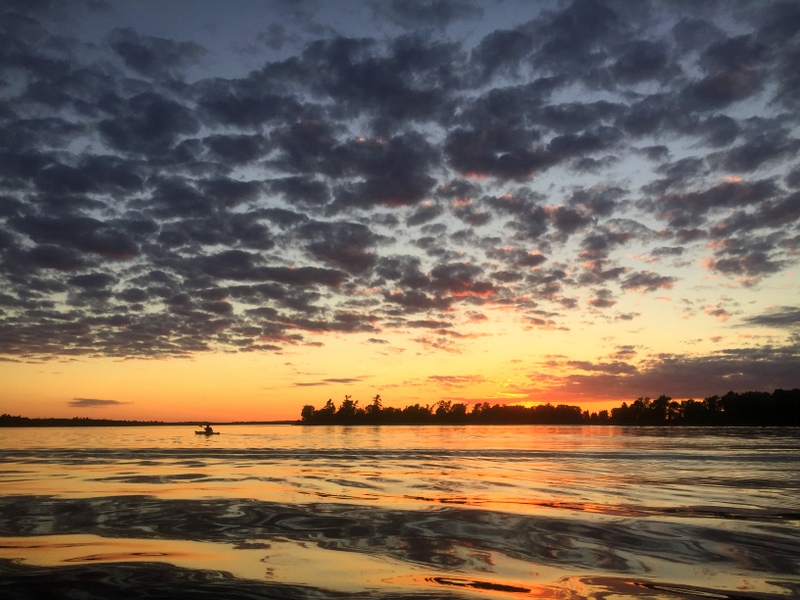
(236, 149)
(409, 78)
(761, 150)
(574, 39)
(647, 281)
(719, 130)
(345, 245)
(92, 280)
(424, 214)
(640, 60)
(392, 172)
(246, 105)
(603, 299)
(83, 233)
(414, 14)
(692, 208)
(746, 258)
(502, 52)
(148, 122)
(695, 33)
(151, 56)
(500, 152)
(721, 89)
(780, 317)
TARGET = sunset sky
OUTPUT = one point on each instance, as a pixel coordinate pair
(227, 210)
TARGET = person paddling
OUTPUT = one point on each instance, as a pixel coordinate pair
(209, 431)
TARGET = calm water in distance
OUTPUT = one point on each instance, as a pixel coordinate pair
(400, 512)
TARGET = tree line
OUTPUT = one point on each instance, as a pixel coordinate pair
(7, 420)
(781, 407)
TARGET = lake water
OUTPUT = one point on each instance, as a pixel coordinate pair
(400, 512)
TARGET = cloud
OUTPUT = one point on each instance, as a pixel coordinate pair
(499, 152)
(691, 208)
(603, 299)
(342, 244)
(455, 381)
(760, 150)
(429, 324)
(641, 60)
(614, 368)
(94, 403)
(425, 13)
(721, 89)
(780, 317)
(647, 281)
(501, 52)
(157, 201)
(333, 380)
(680, 376)
(148, 122)
(151, 56)
(576, 35)
(424, 214)
(86, 234)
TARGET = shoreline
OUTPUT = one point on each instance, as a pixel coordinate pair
(54, 423)
(13, 422)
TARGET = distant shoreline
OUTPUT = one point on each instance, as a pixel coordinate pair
(15, 421)
(54, 423)
(45, 423)
(781, 408)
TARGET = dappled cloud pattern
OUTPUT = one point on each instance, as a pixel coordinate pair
(409, 182)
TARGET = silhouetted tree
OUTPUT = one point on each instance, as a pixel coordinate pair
(348, 411)
(458, 413)
(327, 411)
(417, 414)
(657, 413)
(308, 414)
(443, 409)
(674, 411)
(479, 409)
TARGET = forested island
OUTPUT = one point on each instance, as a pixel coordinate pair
(779, 408)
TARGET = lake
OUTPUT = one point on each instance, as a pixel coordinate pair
(281, 511)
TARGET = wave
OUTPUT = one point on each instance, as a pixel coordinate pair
(451, 539)
(142, 455)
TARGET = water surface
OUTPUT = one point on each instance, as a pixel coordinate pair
(400, 512)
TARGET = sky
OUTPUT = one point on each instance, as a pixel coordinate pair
(228, 210)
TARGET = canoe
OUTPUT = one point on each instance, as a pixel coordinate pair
(207, 432)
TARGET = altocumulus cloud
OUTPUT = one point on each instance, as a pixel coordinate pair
(158, 199)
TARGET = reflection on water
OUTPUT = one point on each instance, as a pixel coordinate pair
(444, 512)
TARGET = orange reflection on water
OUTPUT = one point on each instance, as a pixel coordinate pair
(394, 505)
(54, 550)
(277, 560)
(280, 560)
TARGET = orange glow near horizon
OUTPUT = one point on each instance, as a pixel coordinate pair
(491, 360)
